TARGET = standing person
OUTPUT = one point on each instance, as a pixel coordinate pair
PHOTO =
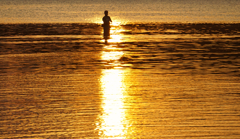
(106, 25)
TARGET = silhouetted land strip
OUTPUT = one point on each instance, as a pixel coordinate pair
(95, 29)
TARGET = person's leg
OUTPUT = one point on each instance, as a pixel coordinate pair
(106, 31)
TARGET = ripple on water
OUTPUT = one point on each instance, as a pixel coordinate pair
(170, 85)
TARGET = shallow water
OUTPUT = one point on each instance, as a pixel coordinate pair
(147, 81)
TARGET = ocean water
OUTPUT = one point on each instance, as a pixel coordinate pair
(124, 11)
(147, 81)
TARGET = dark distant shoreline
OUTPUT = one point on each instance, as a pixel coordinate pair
(95, 28)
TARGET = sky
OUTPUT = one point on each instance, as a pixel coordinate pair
(49, 11)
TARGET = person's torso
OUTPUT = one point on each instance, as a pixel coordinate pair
(106, 20)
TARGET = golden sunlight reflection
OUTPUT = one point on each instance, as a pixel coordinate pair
(115, 32)
(116, 23)
(113, 117)
(115, 35)
(111, 56)
(112, 120)
(115, 38)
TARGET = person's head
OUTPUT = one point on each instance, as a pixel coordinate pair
(106, 12)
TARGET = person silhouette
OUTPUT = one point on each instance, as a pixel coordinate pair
(106, 25)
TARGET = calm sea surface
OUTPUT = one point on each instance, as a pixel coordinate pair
(147, 81)
(91, 11)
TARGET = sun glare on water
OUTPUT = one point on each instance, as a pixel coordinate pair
(116, 23)
(113, 117)
(112, 120)
(115, 32)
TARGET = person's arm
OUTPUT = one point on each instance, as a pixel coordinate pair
(110, 19)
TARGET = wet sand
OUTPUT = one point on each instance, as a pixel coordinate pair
(147, 81)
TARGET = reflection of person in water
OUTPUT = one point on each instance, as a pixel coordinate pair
(106, 25)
